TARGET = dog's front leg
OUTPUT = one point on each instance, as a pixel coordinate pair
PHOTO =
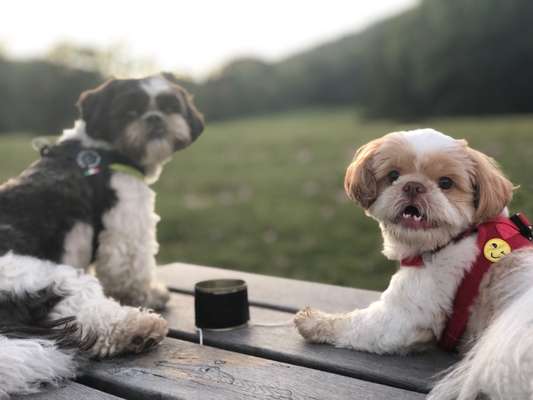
(400, 321)
(115, 329)
(125, 260)
(376, 329)
(47, 291)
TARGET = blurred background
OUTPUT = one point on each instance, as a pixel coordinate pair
(289, 91)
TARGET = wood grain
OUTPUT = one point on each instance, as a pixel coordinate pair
(69, 391)
(271, 292)
(183, 370)
(413, 372)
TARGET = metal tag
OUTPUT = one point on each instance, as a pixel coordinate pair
(88, 159)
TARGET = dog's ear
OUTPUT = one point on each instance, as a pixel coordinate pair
(492, 190)
(360, 181)
(194, 118)
(94, 106)
(169, 76)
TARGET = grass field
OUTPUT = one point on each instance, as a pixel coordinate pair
(266, 194)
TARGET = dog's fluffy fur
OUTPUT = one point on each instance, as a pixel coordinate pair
(55, 222)
(404, 169)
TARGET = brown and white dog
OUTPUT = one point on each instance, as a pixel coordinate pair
(428, 192)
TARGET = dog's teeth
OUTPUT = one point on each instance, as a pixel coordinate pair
(418, 218)
(406, 215)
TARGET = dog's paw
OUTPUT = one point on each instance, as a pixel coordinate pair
(158, 296)
(315, 326)
(145, 330)
(139, 331)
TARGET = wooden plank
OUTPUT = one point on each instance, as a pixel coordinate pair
(183, 370)
(69, 391)
(413, 372)
(277, 293)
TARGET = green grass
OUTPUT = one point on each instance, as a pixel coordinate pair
(266, 194)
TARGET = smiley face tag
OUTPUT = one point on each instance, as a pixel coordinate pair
(495, 249)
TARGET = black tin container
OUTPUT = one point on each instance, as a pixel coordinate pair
(221, 304)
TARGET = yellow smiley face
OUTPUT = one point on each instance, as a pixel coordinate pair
(495, 249)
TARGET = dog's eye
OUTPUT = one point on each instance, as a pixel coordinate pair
(169, 109)
(168, 103)
(393, 175)
(445, 182)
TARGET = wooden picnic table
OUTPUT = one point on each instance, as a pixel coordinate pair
(254, 362)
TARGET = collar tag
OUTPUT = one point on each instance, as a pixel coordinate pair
(495, 249)
(89, 161)
(91, 171)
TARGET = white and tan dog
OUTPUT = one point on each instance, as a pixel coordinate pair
(429, 193)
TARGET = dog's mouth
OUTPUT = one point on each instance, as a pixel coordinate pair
(158, 132)
(412, 217)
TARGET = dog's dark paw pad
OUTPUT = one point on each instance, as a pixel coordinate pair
(140, 344)
(149, 344)
(137, 341)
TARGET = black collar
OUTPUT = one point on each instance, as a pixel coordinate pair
(90, 160)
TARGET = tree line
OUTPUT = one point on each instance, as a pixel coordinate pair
(442, 57)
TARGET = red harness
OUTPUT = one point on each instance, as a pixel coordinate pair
(495, 239)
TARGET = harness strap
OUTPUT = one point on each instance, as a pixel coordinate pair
(96, 168)
(95, 165)
(496, 238)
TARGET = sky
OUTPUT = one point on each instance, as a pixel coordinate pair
(192, 37)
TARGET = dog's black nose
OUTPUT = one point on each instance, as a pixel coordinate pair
(412, 189)
(154, 120)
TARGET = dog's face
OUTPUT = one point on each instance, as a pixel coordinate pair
(145, 119)
(425, 188)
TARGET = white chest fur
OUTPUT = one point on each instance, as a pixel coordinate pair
(78, 246)
(125, 259)
(133, 218)
(430, 291)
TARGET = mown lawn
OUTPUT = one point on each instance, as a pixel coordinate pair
(266, 194)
